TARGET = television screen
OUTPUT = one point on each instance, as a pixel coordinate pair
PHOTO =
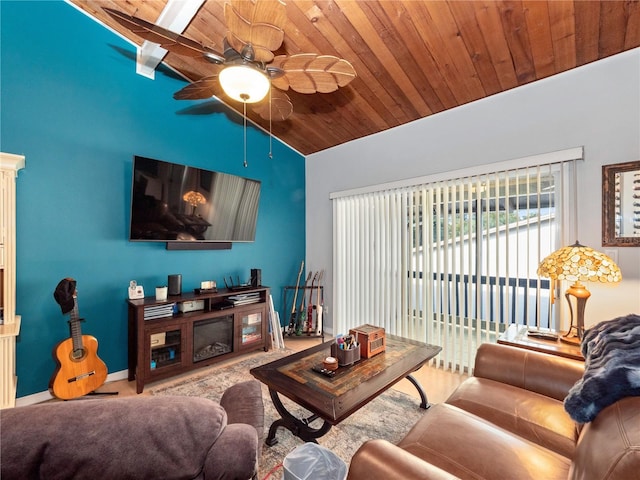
(177, 203)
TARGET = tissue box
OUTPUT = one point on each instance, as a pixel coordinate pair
(372, 339)
(191, 306)
(158, 339)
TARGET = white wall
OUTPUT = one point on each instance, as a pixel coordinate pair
(596, 106)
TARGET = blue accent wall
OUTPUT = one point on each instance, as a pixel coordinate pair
(72, 103)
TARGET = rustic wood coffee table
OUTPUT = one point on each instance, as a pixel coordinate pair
(333, 399)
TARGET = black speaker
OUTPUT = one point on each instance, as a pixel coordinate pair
(175, 284)
(256, 277)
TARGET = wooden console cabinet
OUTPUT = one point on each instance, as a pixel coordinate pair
(178, 342)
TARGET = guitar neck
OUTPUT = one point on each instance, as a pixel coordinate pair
(295, 295)
(318, 286)
(74, 327)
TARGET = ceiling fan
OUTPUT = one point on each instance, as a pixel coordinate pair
(248, 67)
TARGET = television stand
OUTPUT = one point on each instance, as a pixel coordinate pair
(164, 341)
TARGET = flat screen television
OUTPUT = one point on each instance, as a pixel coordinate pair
(179, 204)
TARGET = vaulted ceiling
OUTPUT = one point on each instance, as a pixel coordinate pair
(412, 58)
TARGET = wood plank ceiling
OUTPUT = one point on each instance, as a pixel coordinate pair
(413, 58)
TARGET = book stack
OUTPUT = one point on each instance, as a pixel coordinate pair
(244, 298)
(158, 311)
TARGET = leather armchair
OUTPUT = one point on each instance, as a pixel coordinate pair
(508, 421)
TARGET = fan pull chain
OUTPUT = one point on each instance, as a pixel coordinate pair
(270, 131)
(245, 133)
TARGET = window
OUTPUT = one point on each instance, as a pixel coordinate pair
(453, 261)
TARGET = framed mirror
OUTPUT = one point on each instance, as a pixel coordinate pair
(621, 204)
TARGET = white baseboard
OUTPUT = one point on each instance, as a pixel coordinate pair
(44, 396)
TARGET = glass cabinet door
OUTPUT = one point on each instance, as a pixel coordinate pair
(251, 328)
(165, 349)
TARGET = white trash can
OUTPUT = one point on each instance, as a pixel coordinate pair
(313, 462)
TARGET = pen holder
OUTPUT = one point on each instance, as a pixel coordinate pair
(345, 357)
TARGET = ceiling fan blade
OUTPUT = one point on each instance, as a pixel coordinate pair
(167, 39)
(311, 73)
(258, 23)
(281, 107)
(206, 87)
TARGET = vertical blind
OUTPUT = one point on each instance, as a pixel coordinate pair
(452, 262)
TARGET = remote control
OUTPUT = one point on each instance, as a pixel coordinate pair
(541, 334)
(324, 371)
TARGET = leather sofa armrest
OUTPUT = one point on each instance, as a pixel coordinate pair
(546, 374)
(382, 460)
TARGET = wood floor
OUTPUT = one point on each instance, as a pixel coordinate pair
(436, 382)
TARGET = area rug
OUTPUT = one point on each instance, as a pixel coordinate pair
(390, 416)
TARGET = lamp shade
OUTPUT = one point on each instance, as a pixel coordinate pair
(577, 263)
(244, 83)
(194, 198)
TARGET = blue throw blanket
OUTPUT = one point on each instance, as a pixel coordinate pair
(612, 368)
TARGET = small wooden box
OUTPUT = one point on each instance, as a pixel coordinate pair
(158, 339)
(371, 339)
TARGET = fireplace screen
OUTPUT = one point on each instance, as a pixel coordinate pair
(212, 337)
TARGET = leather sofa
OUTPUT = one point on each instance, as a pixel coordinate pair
(143, 437)
(508, 422)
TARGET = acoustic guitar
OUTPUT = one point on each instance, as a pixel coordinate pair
(78, 371)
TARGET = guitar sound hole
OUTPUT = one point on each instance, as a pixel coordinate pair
(77, 355)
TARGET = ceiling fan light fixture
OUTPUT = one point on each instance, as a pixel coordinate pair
(244, 83)
(213, 58)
